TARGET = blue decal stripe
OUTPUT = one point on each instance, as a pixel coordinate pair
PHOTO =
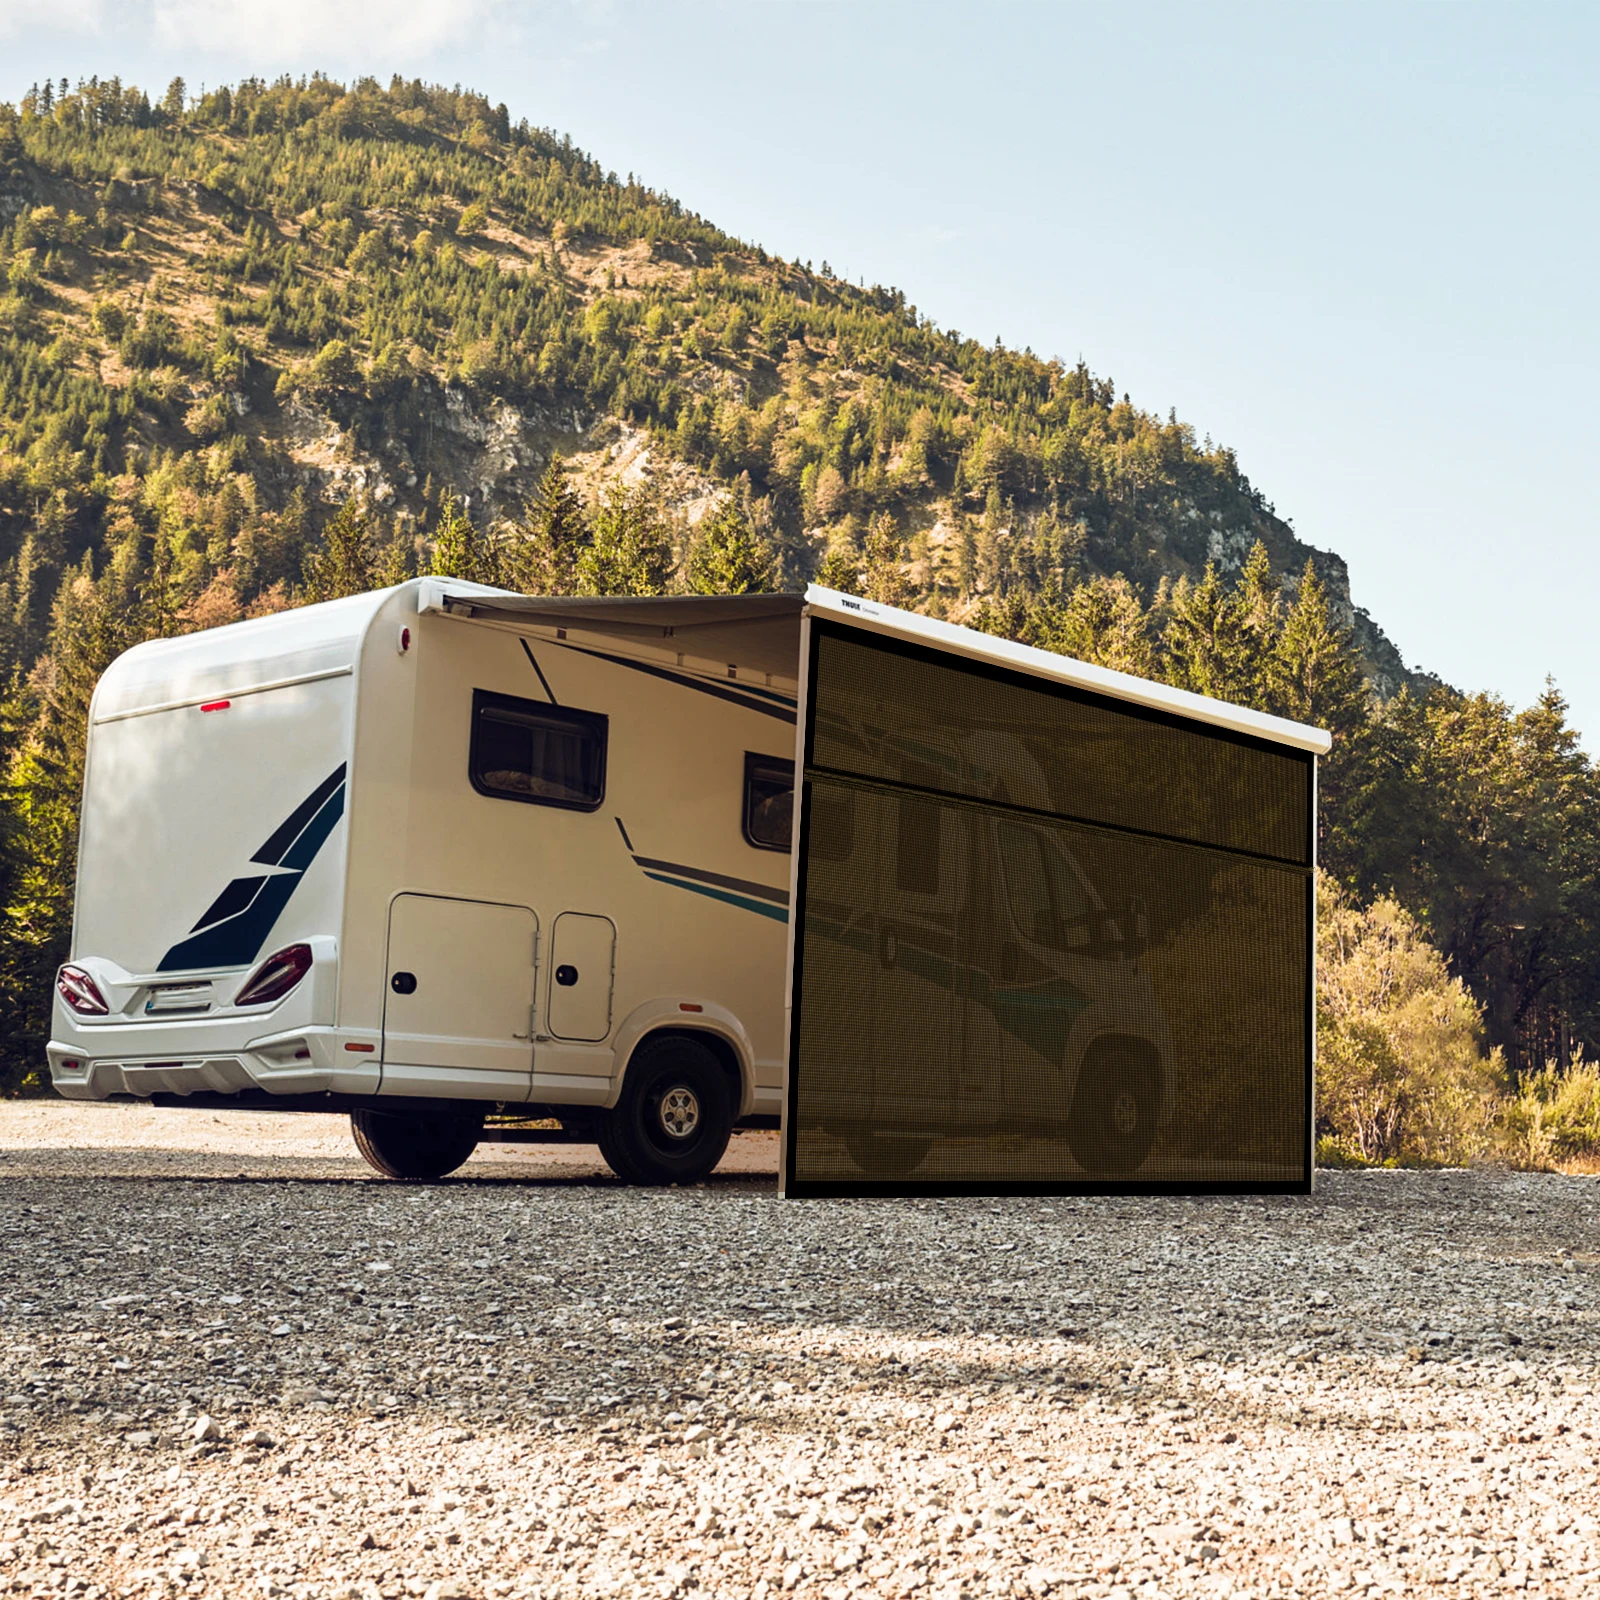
(777, 913)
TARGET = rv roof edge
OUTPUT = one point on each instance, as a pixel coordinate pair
(1065, 669)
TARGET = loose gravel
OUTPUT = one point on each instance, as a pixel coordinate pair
(229, 1366)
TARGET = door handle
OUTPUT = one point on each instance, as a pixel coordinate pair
(566, 976)
(404, 983)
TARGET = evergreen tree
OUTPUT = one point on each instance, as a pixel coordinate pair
(729, 556)
(631, 548)
(1205, 645)
(39, 820)
(840, 569)
(542, 555)
(1315, 672)
(884, 553)
(459, 549)
(1104, 623)
(344, 563)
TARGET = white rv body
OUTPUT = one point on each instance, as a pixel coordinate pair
(202, 748)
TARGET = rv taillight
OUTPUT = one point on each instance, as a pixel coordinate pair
(81, 992)
(276, 976)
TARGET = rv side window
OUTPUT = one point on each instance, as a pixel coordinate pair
(768, 802)
(545, 755)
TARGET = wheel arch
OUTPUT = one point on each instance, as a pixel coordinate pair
(714, 1027)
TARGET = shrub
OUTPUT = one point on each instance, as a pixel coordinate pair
(151, 343)
(334, 366)
(108, 319)
(209, 418)
(1401, 1072)
(1554, 1116)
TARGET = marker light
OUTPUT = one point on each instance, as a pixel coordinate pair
(81, 992)
(216, 705)
(276, 976)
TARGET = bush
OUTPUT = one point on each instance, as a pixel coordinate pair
(1554, 1116)
(1401, 1072)
(209, 418)
(108, 320)
(334, 366)
(151, 343)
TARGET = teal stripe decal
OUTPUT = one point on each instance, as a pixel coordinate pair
(777, 913)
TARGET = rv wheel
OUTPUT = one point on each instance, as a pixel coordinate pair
(881, 1155)
(405, 1144)
(674, 1118)
(1113, 1121)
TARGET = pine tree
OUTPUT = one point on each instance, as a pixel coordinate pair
(541, 557)
(1315, 671)
(840, 569)
(729, 556)
(631, 548)
(1104, 623)
(39, 819)
(344, 563)
(459, 549)
(884, 553)
(1205, 645)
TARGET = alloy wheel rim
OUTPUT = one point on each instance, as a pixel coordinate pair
(679, 1112)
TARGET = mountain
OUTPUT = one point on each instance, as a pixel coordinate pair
(227, 316)
(287, 340)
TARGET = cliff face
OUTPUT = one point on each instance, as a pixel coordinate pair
(390, 294)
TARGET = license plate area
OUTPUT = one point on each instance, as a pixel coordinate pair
(176, 998)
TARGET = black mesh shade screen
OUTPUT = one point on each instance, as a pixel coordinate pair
(1045, 939)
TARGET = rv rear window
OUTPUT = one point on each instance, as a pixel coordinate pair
(545, 755)
(768, 802)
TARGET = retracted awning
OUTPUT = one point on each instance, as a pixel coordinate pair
(760, 632)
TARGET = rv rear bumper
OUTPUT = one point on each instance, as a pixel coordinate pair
(305, 1061)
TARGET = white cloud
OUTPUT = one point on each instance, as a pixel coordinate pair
(322, 30)
(325, 33)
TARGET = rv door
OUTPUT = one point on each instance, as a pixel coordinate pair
(458, 1006)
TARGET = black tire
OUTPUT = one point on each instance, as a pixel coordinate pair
(882, 1155)
(675, 1116)
(416, 1145)
(1113, 1121)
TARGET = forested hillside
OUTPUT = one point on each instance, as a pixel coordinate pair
(287, 340)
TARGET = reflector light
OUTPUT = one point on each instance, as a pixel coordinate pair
(216, 705)
(276, 976)
(365, 1049)
(683, 1005)
(81, 992)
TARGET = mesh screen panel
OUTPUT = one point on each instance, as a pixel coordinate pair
(1045, 939)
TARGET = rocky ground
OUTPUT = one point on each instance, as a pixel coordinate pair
(231, 1364)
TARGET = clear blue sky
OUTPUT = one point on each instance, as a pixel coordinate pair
(1355, 242)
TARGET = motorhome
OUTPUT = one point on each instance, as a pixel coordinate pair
(469, 864)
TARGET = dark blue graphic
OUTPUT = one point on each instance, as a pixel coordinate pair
(236, 924)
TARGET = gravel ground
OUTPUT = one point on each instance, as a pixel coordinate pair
(231, 1365)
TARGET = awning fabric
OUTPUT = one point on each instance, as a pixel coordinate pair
(760, 632)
